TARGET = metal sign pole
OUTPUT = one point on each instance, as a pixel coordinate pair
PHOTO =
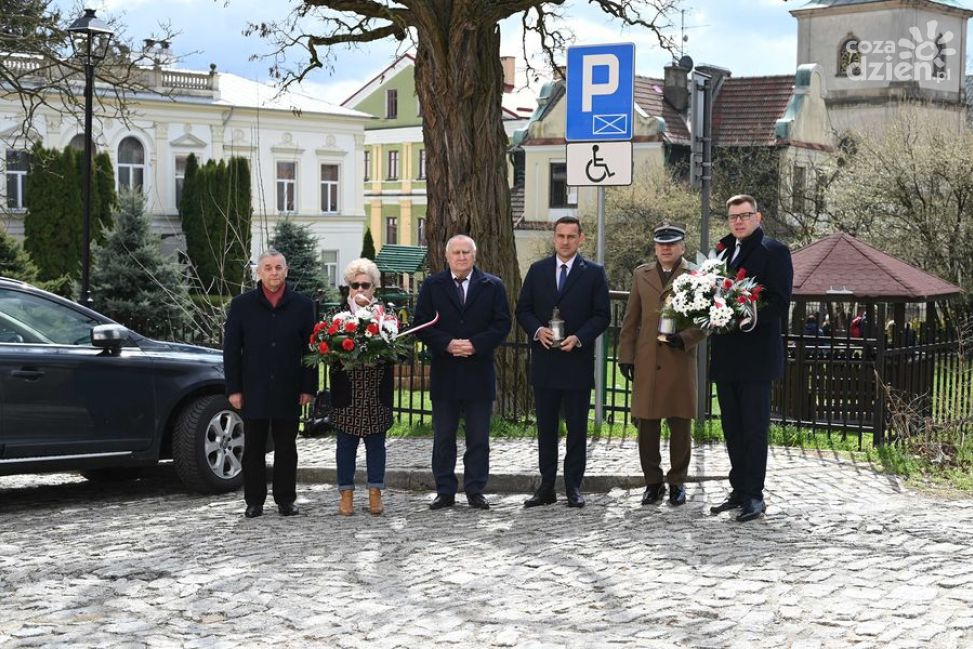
(600, 342)
(706, 180)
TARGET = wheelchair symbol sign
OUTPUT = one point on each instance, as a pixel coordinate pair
(599, 164)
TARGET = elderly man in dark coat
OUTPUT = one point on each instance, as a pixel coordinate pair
(662, 368)
(266, 336)
(474, 318)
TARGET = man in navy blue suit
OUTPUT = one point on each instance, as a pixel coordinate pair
(563, 374)
(473, 320)
(743, 364)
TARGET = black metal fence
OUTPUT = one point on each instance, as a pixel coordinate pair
(833, 384)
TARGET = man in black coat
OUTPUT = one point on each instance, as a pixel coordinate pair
(743, 364)
(473, 320)
(562, 373)
(266, 337)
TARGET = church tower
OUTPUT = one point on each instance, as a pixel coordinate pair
(876, 55)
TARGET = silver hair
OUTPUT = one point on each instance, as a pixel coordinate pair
(270, 252)
(362, 266)
(460, 237)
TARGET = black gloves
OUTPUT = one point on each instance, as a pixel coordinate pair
(627, 370)
(673, 340)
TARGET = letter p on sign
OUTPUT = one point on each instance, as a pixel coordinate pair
(589, 87)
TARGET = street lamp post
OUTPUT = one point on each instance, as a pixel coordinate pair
(90, 38)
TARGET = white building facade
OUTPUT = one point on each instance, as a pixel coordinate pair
(306, 156)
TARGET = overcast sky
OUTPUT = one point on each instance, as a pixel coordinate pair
(750, 37)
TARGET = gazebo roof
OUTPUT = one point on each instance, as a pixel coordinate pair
(823, 269)
(401, 259)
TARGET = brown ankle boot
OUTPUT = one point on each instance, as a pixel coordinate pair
(375, 501)
(346, 507)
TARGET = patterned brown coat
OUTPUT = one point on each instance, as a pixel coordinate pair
(665, 377)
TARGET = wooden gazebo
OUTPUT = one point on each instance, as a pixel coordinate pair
(836, 378)
(840, 269)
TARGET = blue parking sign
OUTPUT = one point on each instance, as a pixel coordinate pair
(600, 93)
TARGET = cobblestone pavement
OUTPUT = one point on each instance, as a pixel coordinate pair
(845, 558)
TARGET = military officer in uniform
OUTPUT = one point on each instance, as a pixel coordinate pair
(661, 367)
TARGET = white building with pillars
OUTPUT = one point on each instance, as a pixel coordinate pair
(306, 155)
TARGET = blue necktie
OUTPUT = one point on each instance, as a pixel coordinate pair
(562, 278)
(459, 289)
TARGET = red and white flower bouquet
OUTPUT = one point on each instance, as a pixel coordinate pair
(712, 299)
(363, 337)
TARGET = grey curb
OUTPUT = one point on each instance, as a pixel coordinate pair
(422, 480)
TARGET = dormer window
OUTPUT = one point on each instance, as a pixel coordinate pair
(849, 58)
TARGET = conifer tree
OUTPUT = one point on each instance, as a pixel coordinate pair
(299, 246)
(368, 245)
(15, 262)
(132, 281)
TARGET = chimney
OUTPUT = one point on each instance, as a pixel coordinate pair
(675, 89)
(509, 72)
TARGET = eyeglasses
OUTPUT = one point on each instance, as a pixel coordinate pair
(742, 216)
(360, 285)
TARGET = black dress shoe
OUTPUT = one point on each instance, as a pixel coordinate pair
(732, 501)
(575, 499)
(442, 500)
(477, 501)
(677, 495)
(288, 510)
(542, 496)
(752, 509)
(253, 511)
(653, 493)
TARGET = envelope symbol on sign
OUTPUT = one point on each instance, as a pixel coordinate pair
(609, 124)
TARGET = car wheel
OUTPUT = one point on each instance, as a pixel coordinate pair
(113, 474)
(207, 445)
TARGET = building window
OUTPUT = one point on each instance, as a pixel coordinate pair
(286, 186)
(422, 164)
(939, 70)
(391, 230)
(391, 103)
(131, 165)
(368, 165)
(329, 189)
(561, 194)
(180, 177)
(393, 166)
(77, 143)
(421, 232)
(820, 185)
(798, 189)
(16, 168)
(849, 58)
(329, 259)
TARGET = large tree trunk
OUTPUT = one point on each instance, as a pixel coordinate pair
(459, 80)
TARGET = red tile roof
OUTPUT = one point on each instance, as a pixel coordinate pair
(648, 96)
(747, 109)
(840, 261)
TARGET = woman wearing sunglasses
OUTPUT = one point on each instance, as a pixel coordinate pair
(361, 398)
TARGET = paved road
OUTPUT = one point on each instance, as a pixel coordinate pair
(845, 558)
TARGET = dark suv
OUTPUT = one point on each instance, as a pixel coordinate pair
(79, 392)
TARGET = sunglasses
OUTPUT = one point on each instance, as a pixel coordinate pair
(361, 285)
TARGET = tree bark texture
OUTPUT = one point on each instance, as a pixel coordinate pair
(459, 80)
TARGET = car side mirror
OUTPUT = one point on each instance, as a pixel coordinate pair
(109, 337)
(10, 337)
